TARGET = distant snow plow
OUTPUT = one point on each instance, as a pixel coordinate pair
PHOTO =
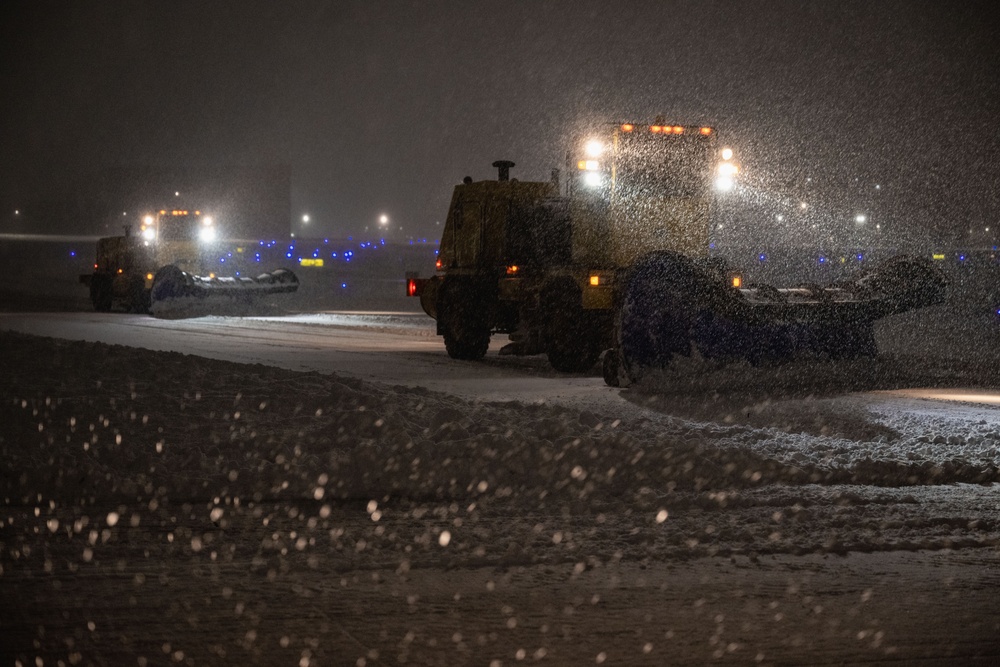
(618, 264)
(167, 264)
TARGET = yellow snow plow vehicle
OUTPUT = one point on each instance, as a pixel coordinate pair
(170, 261)
(618, 264)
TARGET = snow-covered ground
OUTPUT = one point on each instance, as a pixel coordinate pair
(164, 508)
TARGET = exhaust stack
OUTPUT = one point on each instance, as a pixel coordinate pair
(503, 169)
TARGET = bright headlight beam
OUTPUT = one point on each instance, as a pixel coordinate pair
(207, 234)
(594, 148)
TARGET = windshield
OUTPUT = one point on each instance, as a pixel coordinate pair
(667, 166)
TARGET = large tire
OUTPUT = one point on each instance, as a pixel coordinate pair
(660, 304)
(572, 342)
(100, 293)
(138, 296)
(463, 316)
(611, 367)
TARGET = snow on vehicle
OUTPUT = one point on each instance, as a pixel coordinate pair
(169, 262)
(620, 264)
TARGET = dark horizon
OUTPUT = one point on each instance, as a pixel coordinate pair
(383, 107)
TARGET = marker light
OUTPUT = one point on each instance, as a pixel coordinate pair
(706, 130)
(437, 265)
(594, 148)
(149, 276)
(511, 270)
(595, 281)
(628, 127)
(737, 282)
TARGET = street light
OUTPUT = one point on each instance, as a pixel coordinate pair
(860, 218)
(305, 218)
(383, 219)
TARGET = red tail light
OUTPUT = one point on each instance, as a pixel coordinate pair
(437, 265)
(411, 287)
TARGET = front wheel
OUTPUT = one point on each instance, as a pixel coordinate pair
(572, 341)
(100, 293)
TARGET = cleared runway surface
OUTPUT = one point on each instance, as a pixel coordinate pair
(399, 348)
(392, 348)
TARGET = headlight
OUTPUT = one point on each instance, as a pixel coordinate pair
(724, 183)
(728, 170)
(149, 234)
(207, 234)
(207, 221)
(592, 178)
(726, 176)
(594, 148)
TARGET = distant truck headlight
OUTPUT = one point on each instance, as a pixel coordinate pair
(149, 234)
(594, 148)
(206, 234)
(726, 176)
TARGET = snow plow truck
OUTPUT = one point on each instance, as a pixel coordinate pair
(169, 263)
(617, 266)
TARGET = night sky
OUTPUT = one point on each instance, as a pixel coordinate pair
(384, 106)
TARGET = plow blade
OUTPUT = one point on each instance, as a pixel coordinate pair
(174, 288)
(673, 306)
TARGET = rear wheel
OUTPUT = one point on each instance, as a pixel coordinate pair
(571, 340)
(463, 315)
